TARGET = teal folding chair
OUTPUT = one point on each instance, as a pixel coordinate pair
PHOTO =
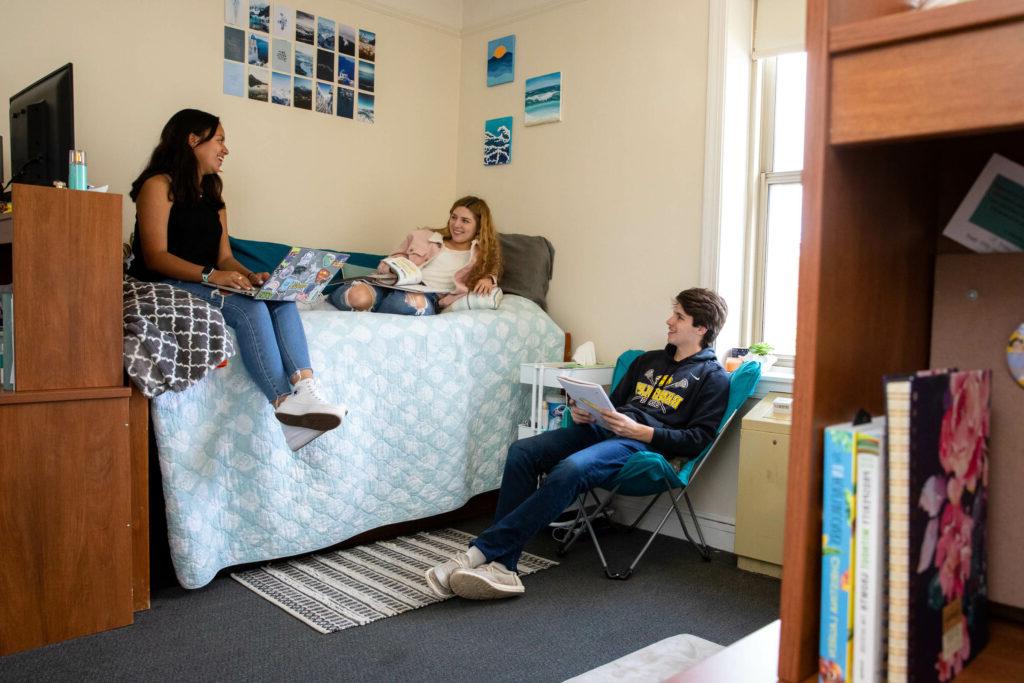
(647, 473)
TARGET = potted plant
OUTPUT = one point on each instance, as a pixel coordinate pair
(762, 353)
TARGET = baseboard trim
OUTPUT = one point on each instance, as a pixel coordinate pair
(719, 531)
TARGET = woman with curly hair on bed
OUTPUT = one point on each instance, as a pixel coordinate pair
(181, 238)
(461, 258)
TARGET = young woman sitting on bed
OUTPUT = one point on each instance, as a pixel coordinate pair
(181, 238)
(464, 256)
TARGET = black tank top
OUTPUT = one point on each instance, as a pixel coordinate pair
(193, 233)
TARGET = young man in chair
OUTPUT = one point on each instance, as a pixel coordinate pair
(670, 400)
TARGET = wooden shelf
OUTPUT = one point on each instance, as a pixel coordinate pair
(909, 25)
(935, 92)
(922, 84)
(54, 395)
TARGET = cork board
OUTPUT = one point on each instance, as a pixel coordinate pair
(979, 301)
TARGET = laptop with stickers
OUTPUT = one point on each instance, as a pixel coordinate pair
(301, 276)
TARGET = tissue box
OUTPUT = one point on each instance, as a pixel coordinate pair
(782, 407)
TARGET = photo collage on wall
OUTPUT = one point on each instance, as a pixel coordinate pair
(542, 100)
(294, 58)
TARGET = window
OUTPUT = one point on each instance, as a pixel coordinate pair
(778, 161)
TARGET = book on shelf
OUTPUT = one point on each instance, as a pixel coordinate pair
(870, 537)
(844, 445)
(938, 467)
(6, 338)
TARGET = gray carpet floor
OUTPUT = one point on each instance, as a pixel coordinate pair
(570, 620)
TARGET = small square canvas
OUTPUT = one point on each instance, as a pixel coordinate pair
(498, 141)
(234, 44)
(281, 55)
(303, 92)
(259, 15)
(325, 98)
(234, 79)
(367, 45)
(259, 84)
(544, 99)
(281, 89)
(501, 60)
(259, 50)
(305, 32)
(365, 111)
(367, 77)
(346, 102)
(283, 21)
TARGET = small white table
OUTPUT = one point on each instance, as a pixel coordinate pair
(541, 375)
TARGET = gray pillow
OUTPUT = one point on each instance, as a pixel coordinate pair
(528, 266)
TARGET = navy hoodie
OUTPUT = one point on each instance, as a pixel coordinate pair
(683, 400)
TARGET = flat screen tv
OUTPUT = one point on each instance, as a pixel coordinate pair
(43, 129)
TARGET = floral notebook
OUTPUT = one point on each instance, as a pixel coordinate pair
(938, 452)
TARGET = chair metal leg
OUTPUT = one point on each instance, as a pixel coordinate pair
(583, 518)
(703, 548)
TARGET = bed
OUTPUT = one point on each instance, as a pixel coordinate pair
(433, 405)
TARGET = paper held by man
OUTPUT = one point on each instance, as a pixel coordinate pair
(589, 396)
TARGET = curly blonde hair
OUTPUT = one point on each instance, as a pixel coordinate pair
(488, 244)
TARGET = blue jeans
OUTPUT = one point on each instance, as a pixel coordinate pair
(575, 458)
(270, 337)
(387, 300)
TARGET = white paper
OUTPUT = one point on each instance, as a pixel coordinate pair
(999, 225)
(589, 396)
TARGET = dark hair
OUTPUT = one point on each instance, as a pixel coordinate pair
(707, 309)
(174, 157)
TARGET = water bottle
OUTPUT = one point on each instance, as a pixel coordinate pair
(77, 175)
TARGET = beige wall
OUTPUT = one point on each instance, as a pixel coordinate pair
(292, 175)
(616, 186)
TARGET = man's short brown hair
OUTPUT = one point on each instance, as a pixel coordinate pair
(707, 309)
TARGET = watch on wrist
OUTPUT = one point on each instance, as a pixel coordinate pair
(207, 272)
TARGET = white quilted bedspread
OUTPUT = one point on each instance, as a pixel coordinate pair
(433, 405)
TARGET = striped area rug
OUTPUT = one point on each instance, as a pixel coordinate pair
(337, 590)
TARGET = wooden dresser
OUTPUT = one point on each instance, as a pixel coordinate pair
(73, 506)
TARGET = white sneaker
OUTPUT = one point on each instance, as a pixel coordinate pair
(306, 407)
(486, 582)
(297, 437)
(437, 577)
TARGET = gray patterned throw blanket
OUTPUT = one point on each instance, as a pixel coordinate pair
(171, 338)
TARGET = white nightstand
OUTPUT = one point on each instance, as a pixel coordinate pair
(541, 375)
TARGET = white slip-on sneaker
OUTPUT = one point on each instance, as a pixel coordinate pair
(486, 582)
(306, 407)
(437, 577)
(297, 437)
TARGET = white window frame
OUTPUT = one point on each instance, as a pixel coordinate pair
(733, 68)
(762, 136)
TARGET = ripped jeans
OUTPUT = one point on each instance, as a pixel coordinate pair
(270, 337)
(387, 300)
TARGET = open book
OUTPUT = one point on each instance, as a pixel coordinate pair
(402, 274)
(589, 396)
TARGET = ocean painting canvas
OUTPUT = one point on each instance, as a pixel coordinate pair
(498, 141)
(544, 99)
(365, 111)
(501, 60)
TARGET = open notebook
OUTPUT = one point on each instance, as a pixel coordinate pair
(301, 276)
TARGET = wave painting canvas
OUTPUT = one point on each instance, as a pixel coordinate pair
(544, 99)
(498, 141)
(501, 60)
